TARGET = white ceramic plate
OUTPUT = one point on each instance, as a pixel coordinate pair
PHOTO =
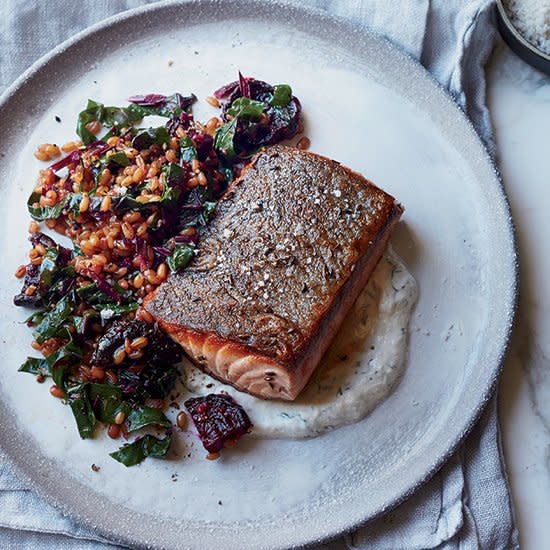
(374, 109)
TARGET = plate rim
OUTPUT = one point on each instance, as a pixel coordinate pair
(18, 85)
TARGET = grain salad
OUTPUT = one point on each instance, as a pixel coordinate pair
(132, 200)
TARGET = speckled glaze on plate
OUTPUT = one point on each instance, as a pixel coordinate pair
(368, 105)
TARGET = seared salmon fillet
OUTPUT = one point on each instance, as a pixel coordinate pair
(292, 243)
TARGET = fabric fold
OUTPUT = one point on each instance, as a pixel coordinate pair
(428, 518)
(465, 506)
(403, 25)
(458, 41)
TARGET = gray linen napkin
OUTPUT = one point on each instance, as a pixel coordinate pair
(466, 504)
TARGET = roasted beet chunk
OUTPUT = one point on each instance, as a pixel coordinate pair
(279, 120)
(156, 349)
(218, 418)
(279, 123)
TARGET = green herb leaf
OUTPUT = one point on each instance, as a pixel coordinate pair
(136, 452)
(246, 108)
(93, 111)
(110, 311)
(48, 267)
(40, 213)
(59, 374)
(61, 361)
(54, 319)
(119, 158)
(149, 136)
(35, 365)
(56, 364)
(112, 132)
(129, 202)
(208, 209)
(188, 151)
(170, 107)
(107, 400)
(110, 116)
(281, 95)
(83, 413)
(91, 402)
(80, 321)
(120, 117)
(158, 380)
(223, 140)
(226, 169)
(92, 295)
(242, 108)
(146, 416)
(34, 318)
(180, 257)
(169, 196)
(60, 281)
(55, 281)
(174, 173)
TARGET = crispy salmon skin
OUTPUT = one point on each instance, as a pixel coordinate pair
(291, 245)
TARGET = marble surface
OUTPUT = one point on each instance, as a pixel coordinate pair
(519, 101)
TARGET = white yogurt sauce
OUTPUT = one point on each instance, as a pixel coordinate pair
(360, 368)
